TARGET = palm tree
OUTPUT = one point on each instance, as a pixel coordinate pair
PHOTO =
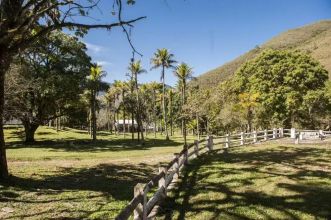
(95, 81)
(154, 87)
(111, 102)
(183, 72)
(171, 95)
(164, 59)
(119, 90)
(136, 68)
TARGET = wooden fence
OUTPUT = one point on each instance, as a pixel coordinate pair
(143, 207)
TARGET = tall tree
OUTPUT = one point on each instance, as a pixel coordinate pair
(135, 68)
(164, 59)
(183, 72)
(46, 81)
(119, 90)
(154, 88)
(113, 97)
(25, 22)
(95, 82)
(171, 95)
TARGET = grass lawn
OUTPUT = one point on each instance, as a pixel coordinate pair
(274, 180)
(66, 176)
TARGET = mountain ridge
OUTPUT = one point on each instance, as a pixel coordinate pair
(312, 38)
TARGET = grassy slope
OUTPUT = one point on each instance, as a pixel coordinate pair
(70, 177)
(314, 38)
(266, 181)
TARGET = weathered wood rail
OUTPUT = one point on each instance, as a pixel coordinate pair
(298, 134)
(145, 208)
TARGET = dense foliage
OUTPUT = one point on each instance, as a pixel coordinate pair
(46, 81)
(278, 88)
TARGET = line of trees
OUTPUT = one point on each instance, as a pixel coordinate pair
(23, 23)
(152, 105)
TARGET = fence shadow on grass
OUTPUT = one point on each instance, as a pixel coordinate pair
(87, 145)
(105, 182)
(281, 182)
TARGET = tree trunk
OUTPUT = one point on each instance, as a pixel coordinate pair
(139, 121)
(94, 121)
(108, 119)
(154, 112)
(4, 66)
(30, 130)
(207, 126)
(123, 94)
(170, 113)
(146, 128)
(198, 129)
(123, 121)
(184, 119)
(132, 112)
(164, 105)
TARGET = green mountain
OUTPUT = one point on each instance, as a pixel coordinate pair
(314, 39)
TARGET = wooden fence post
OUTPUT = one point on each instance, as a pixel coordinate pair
(210, 144)
(146, 190)
(162, 180)
(137, 213)
(254, 136)
(196, 148)
(281, 132)
(242, 138)
(293, 133)
(176, 165)
(265, 135)
(274, 133)
(297, 138)
(227, 141)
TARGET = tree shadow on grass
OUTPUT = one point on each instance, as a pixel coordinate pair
(86, 145)
(109, 181)
(228, 186)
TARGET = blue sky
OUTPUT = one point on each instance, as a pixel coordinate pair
(203, 33)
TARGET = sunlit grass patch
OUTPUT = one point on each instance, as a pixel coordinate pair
(264, 181)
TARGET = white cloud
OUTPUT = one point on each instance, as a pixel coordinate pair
(94, 48)
(103, 63)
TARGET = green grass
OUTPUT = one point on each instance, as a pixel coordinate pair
(66, 176)
(265, 181)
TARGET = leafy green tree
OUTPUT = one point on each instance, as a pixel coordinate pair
(289, 84)
(183, 72)
(46, 82)
(23, 23)
(246, 105)
(164, 59)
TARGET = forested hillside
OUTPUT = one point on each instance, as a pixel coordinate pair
(314, 38)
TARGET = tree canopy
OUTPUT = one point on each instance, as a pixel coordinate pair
(46, 81)
(288, 84)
